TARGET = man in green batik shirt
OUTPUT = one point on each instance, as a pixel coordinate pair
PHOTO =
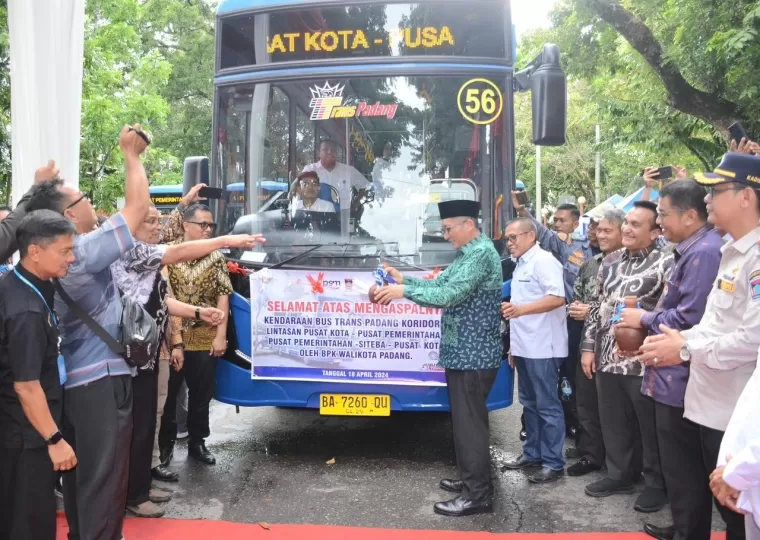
(469, 291)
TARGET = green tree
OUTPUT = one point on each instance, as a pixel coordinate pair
(123, 81)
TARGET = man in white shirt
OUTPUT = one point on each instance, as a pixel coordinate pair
(736, 481)
(722, 349)
(538, 331)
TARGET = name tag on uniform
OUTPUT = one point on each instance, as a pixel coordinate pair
(61, 370)
(725, 285)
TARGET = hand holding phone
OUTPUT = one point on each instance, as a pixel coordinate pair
(737, 133)
(210, 193)
(522, 198)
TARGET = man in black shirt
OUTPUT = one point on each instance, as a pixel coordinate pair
(31, 378)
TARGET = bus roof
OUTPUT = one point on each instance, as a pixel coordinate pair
(160, 190)
(231, 6)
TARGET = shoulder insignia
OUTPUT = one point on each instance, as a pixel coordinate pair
(754, 285)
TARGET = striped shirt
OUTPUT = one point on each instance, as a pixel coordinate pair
(91, 285)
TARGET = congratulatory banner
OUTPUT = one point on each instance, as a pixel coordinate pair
(321, 326)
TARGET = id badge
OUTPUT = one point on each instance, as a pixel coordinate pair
(61, 370)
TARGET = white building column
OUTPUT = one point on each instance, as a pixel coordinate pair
(46, 55)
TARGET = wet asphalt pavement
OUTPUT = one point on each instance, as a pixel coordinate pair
(272, 467)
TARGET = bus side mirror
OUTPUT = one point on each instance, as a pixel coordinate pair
(196, 171)
(548, 85)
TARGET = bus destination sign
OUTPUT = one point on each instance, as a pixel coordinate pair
(164, 199)
(426, 38)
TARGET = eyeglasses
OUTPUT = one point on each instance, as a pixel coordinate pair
(663, 215)
(306, 183)
(512, 238)
(80, 199)
(204, 225)
(151, 221)
(328, 150)
(447, 230)
(714, 191)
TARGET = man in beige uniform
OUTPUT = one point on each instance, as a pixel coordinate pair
(722, 349)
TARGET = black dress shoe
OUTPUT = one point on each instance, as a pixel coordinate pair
(546, 476)
(651, 500)
(166, 455)
(454, 486)
(463, 507)
(661, 533)
(583, 467)
(197, 450)
(164, 474)
(520, 463)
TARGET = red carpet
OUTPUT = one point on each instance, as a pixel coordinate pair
(161, 529)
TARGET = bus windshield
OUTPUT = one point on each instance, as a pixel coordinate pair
(379, 154)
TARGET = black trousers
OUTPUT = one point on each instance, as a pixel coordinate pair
(98, 425)
(27, 501)
(590, 440)
(199, 372)
(569, 369)
(628, 421)
(468, 393)
(689, 453)
(145, 405)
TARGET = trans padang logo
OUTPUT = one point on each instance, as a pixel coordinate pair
(327, 102)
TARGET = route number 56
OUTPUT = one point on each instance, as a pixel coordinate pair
(477, 100)
(480, 101)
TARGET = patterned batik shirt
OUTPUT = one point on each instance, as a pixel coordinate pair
(469, 291)
(200, 283)
(584, 290)
(641, 274)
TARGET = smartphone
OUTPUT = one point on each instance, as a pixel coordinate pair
(210, 193)
(141, 134)
(663, 173)
(737, 132)
(522, 198)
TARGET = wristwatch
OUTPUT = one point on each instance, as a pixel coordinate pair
(197, 314)
(54, 438)
(685, 353)
(178, 346)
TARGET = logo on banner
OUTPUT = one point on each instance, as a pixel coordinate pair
(327, 102)
(316, 283)
(349, 284)
(319, 283)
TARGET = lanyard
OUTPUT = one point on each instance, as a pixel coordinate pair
(35, 289)
(62, 377)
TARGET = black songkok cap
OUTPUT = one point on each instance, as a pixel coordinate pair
(452, 209)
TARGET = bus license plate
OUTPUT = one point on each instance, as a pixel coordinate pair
(354, 405)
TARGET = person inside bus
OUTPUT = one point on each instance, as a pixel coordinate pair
(307, 198)
(340, 176)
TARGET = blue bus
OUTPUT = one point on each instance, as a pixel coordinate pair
(396, 106)
(166, 198)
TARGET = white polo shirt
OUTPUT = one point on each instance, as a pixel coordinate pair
(538, 274)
